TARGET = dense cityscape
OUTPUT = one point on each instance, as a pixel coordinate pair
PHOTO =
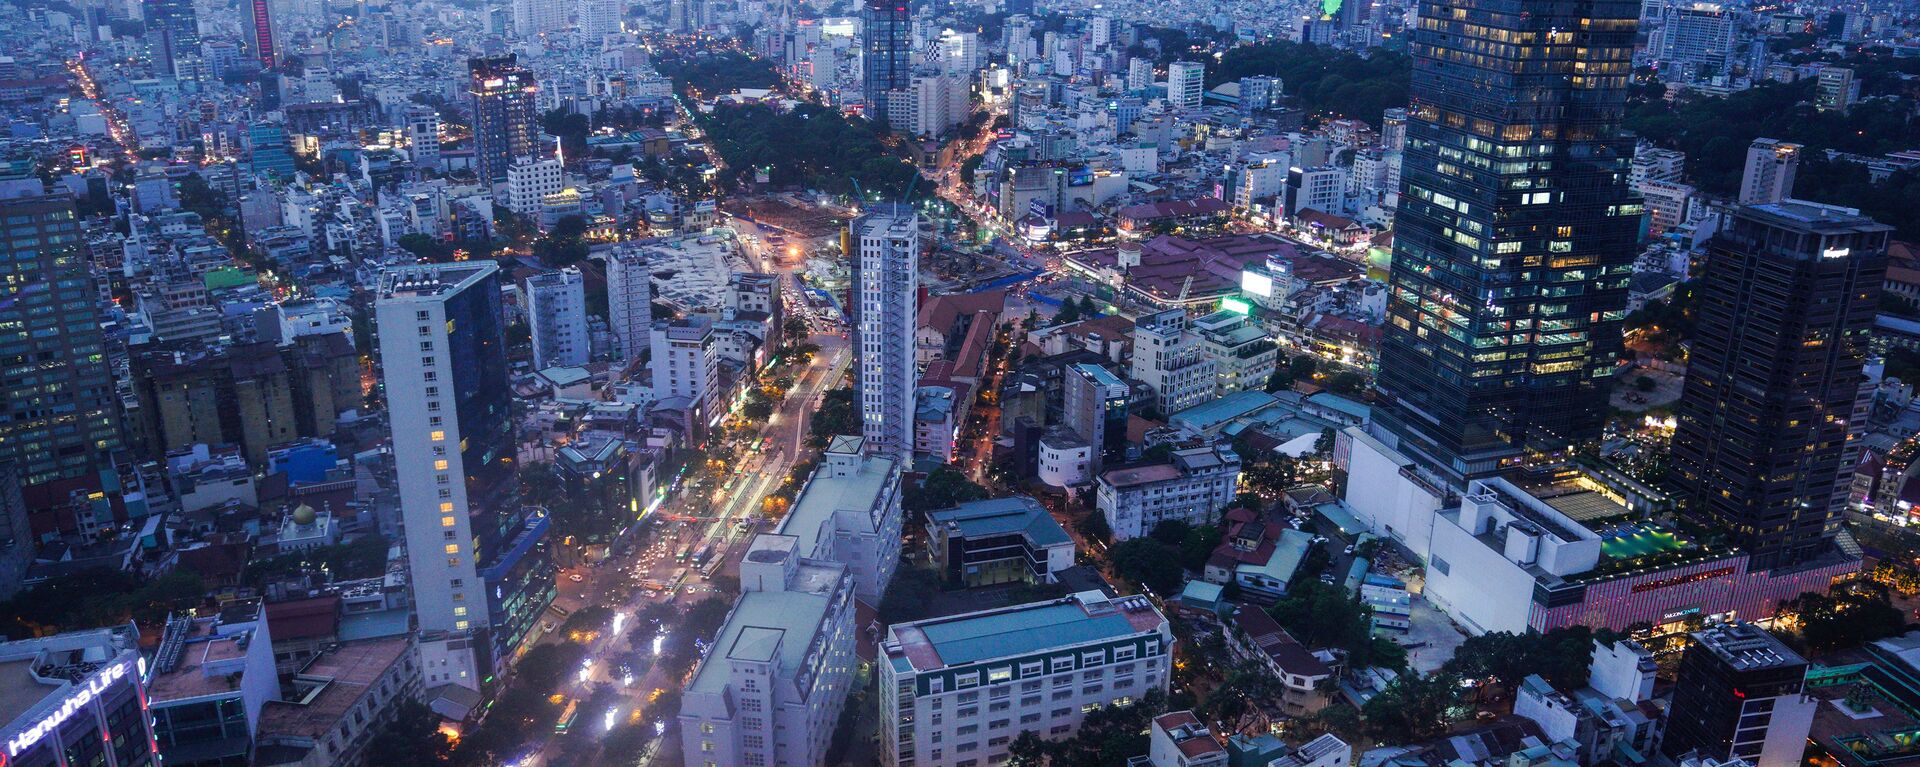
(1001, 383)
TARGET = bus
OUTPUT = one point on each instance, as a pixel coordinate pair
(700, 557)
(567, 715)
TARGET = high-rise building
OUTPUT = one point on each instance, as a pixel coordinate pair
(262, 42)
(270, 150)
(1094, 406)
(1699, 38)
(503, 114)
(886, 62)
(61, 421)
(1740, 694)
(1186, 84)
(444, 368)
(1771, 164)
(630, 301)
(423, 136)
(957, 690)
(599, 18)
(1243, 353)
(1139, 73)
(1168, 359)
(1192, 486)
(174, 30)
(772, 688)
(537, 17)
(557, 317)
(886, 280)
(1669, 205)
(1766, 440)
(1509, 284)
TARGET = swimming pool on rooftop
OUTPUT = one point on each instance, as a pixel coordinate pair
(1639, 540)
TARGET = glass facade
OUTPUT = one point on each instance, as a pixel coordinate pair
(886, 27)
(503, 114)
(1516, 231)
(59, 419)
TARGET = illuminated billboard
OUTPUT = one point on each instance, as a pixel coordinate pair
(1257, 284)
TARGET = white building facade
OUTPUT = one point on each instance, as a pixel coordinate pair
(885, 282)
(557, 317)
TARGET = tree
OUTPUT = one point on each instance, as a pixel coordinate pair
(1347, 382)
(910, 594)
(565, 244)
(1320, 615)
(1561, 656)
(1302, 366)
(1087, 307)
(1847, 618)
(835, 417)
(795, 329)
(1148, 563)
(1413, 708)
(1069, 313)
(571, 128)
(412, 739)
(1027, 750)
(945, 488)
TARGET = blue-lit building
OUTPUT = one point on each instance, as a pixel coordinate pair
(520, 580)
(271, 152)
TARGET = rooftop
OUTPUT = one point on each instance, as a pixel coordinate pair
(1002, 516)
(774, 626)
(1079, 619)
(345, 674)
(830, 491)
(427, 281)
(1746, 647)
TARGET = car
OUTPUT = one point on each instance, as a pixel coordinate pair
(1295, 522)
(1348, 551)
(575, 577)
(1319, 539)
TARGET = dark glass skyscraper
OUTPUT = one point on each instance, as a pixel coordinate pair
(1515, 234)
(58, 419)
(1784, 306)
(503, 114)
(174, 31)
(261, 41)
(886, 63)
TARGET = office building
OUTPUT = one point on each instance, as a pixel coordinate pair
(1766, 443)
(932, 103)
(444, 368)
(209, 680)
(1139, 74)
(999, 540)
(1739, 694)
(262, 39)
(1771, 164)
(269, 150)
(530, 180)
(1192, 486)
(630, 301)
(1699, 39)
(557, 317)
(254, 396)
(1651, 163)
(1095, 408)
(886, 60)
(886, 279)
(76, 698)
(1186, 84)
(1836, 89)
(686, 369)
(849, 512)
(957, 690)
(1167, 358)
(1504, 313)
(423, 136)
(1322, 188)
(62, 421)
(1243, 354)
(771, 688)
(503, 114)
(173, 28)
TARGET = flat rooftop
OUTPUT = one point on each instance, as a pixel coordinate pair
(1132, 476)
(350, 671)
(1008, 632)
(764, 626)
(191, 679)
(1746, 647)
(427, 281)
(19, 691)
(826, 495)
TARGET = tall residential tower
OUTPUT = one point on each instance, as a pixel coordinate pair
(503, 114)
(1516, 231)
(886, 281)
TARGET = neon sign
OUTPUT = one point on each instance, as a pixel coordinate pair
(84, 693)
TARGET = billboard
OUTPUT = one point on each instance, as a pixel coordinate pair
(1257, 284)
